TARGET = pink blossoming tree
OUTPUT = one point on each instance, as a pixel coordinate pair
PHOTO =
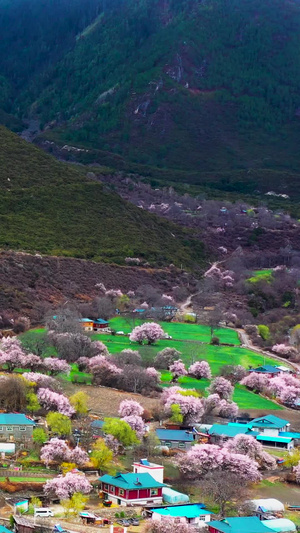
(129, 408)
(136, 423)
(153, 373)
(204, 458)
(256, 382)
(248, 445)
(56, 366)
(63, 487)
(222, 387)
(177, 370)
(53, 401)
(200, 369)
(168, 525)
(149, 331)
(42, 381)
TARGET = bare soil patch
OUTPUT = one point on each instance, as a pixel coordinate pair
(105, 401)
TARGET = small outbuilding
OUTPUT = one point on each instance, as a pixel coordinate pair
(267, 505)
(172, 496)
(280, 525)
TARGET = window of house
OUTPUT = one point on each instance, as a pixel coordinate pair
(105, 486)
(112, 489)
(22, 428)
(9, 428)
(181, 445)
(1, 428)
(154, 492)
(121, 492)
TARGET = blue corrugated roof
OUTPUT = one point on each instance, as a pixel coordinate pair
(97, 424)
(132, 481)
(4, 529)
(289, 434)
(237, 524)
(187, 511)
(268, 421)
(174, 435)
(268, 438)
(15, 419)
(266, 369)
(228, 430)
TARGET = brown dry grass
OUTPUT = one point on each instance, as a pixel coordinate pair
(105, 401)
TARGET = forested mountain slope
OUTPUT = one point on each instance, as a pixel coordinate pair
(49, 207)
(209, 86)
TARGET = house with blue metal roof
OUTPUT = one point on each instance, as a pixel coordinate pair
(269, 430)
(194, 514)
(230, 430)
(176, 438)
(268, 370)
(128, 489)
(16, 427)
(94, 324)
(96, 427)
(238, 524)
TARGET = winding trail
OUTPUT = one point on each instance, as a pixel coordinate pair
(247, 343)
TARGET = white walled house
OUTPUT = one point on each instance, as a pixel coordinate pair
(156, 471)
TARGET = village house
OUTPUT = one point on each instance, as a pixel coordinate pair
(176, 438)
(193, 513)
(16, 427)
(269, 430)
(156, 471)
(244, 524)
(269, 370)
(132, 489)
(96, 427)
(98, 324)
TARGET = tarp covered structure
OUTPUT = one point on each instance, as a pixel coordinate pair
(172, 496)
(267, 505)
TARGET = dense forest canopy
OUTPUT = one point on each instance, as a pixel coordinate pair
(193, 85)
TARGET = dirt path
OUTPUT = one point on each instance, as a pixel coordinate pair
(247, 343)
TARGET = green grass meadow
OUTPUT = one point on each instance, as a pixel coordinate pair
(192, 341)
(181, 331)
(243, 397)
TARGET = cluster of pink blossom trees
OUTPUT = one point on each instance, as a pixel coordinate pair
(102, 370)
(149, 332)
(200, 370)
(42, 381)
(202, 459)
(63, 487)
(131, 412)
(57, 450)
(13, 356)
(225, 278)
(53, 401)
(247, 445)
(168, 525)
(284, 387)
(193, 408)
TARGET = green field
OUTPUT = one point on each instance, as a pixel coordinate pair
(192, 346)
(217, 356)
(181, 331)
(243, 397)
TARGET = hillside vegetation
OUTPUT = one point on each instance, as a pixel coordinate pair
(52, 208)
(210, 87)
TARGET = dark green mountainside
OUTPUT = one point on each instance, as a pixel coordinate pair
(203, 86)
(50, 207)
